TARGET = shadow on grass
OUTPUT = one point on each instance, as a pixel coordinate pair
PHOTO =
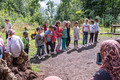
(83, 48)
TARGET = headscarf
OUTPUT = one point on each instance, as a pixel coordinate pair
(110, 53)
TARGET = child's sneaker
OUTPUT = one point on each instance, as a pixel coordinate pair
(49, 55)
(43, 57)
(39, 57)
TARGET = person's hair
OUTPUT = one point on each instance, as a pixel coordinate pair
(11, 32)
(65, 22)
(41, 28)
(7, 20)
(68, 22)
(55, 28)
(58, 22)
(92, 21)
(25, 32)
(76, 22)
(86, 19)
(96, 19)
(25, 28)
(51, 26)
(37, 29)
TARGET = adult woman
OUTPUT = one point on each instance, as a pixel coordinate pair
(110, 68)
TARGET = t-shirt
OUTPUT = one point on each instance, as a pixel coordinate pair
(85, 27)
(59, 30)
(97, 26)
(26, 42)
(48, 35)
(7, 26)
(92, 28)
(64, 32)
(76, 33)
(39, 39)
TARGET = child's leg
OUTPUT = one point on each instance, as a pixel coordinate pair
(38, 50)
(62, 43)
(86, 37)
(77, 43)
(74, 43)
(47, 47)
(1, 52)
(90, 38)
(65, 43)
(51, 46)
(59, 43)
(43, 49)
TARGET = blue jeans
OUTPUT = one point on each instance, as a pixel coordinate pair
(1, 52)
(39, 50)
(85, 38)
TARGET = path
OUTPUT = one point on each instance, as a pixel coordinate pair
(73, 65)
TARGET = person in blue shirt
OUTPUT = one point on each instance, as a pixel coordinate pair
(48, 40)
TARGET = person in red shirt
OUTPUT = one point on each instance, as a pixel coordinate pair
(59, 35)
(45, 26)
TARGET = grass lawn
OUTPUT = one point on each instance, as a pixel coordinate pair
(32, 51)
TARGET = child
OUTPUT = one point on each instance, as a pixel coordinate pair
(64, 36)
(59, 35)
(97, 29)
(92, 31)
(76, 35)
(26, 29)
(54, 37)
(45, 26)
(39, 42)
(26, 42)
(68, 34)
(2, 47)
(8, 26)
(48, 40)
(85, 30)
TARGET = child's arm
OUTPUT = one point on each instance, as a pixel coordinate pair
(36, 44)
(23, 40)
(88, 29)
(82, 30)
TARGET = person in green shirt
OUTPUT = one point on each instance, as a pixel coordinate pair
(26, 41)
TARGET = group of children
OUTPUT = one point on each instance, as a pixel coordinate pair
(46, 39)
(61, 33)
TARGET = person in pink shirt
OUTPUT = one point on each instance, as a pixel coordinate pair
(2, 47)
(54, 37)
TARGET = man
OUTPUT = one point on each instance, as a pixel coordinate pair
(97, 29)
(16, 48)
(8, 26)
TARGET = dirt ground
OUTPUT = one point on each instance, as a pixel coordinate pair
(73, 64)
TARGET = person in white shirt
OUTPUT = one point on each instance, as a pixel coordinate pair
(85, 30)
(92, 31)
(8, 26)
(97, 29)
(76, 35)
(15, 46)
